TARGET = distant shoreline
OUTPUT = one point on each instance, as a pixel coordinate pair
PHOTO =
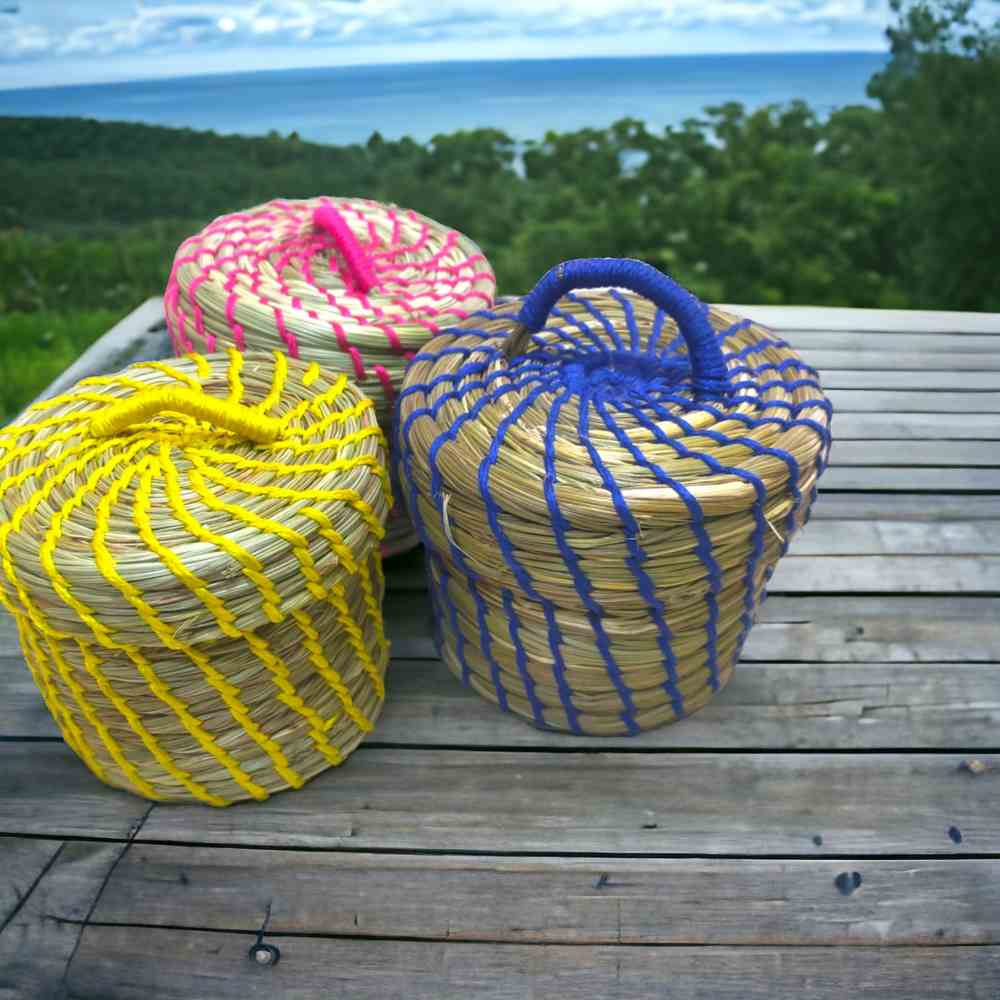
(214, 74)
(524, 98)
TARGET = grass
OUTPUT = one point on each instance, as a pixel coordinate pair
(36, 347)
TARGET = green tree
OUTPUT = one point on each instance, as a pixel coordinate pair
(940, 94)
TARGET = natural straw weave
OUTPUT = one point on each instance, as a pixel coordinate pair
(191, 553)
(353, 284)
(603, 502)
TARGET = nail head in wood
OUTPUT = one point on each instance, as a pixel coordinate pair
(264, 954)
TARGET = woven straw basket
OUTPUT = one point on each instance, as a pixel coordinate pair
(356, 285)
(190, 551)
(604, 498)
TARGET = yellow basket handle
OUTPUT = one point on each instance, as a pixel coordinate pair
(239, 419)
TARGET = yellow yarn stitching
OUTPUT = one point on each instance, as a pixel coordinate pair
(317, 403)
(74, 735)
(91, 665)
(245, 462)
(39, 672)
(330, 444)
(31, 505)
(260, 647)
(121, 379)
(356, 637)
(105, 563)
(135, 723)
(227, 691)
(269, 402)
(75, 396)
(233, 375)
(103, 636)
(175, 373)
(355, 568)
(133, 426)
(310, 405)
(38, 665)
(204, 368)
(43, 405)
(315, 649)
(80, 697)
(314, 583)
(233, 417)
(17, 430)
(61, 459)
(348, 496)
(337, 417)
(252, 567)
(298, 542)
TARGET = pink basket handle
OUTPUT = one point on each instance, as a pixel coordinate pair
(359, 267)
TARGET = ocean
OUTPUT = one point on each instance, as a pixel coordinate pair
(523, 98)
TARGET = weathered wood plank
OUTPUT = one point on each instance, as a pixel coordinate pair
(765, 706)
(828, 361)
(889, 607)
(970, 454)
(37, 945)
(22, 712)
(888, 574)
(806, 341)
(887, 425)
(550, 900)
(877, 321)
(841, 640)
(905, 480)
(926, 381)
(900, 342)
(43, 786)
(614, 802)
(901, 401)
(541, 801)
(24, 862)
(822, 538)
(188, 964)
(904, 507)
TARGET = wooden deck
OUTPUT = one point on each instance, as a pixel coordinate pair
(829, 827)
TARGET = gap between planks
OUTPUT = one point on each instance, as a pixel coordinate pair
(543, 900)
(538, 802)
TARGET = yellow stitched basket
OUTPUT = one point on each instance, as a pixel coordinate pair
(190, 551)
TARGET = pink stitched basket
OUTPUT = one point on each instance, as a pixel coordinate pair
(356, 285)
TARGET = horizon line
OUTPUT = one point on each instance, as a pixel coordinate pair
(165, 78)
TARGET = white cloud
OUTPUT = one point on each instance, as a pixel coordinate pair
(188, 30)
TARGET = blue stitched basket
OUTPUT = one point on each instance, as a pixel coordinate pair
(604, 483)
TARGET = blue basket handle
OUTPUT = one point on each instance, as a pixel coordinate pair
(708, 367)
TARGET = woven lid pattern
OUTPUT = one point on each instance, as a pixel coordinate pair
(604, 483)
(190, 550)
(354, 284)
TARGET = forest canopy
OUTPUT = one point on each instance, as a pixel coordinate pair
(896, 205)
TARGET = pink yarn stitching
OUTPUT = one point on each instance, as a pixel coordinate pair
(281, 237)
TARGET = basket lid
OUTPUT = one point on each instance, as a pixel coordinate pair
(190, 498)
(616, 407)
(354, 283)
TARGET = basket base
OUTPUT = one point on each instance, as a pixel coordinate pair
(696, 697)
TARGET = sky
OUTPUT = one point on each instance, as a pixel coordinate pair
(61, 42)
